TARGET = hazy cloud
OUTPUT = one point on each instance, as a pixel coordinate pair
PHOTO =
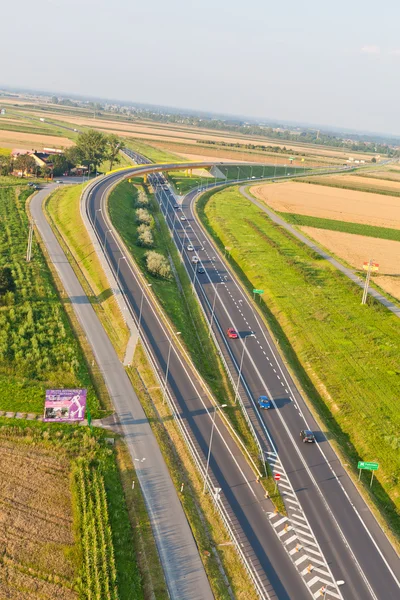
(371, 49)
(395, 52)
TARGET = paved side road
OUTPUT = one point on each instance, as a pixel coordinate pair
(183, 569)
(348, 272)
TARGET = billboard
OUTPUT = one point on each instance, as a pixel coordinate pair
(65, 405)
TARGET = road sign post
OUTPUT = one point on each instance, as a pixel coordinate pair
(277, 477)
(259, 292)
(367, 466)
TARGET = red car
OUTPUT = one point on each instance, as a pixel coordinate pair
(232, 333)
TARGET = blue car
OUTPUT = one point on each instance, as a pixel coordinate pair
(264, 402)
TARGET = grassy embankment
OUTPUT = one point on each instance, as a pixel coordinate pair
(72, 527)
(373, 231)
(64, 210)
(344, 355)
(208, 530)
(38, 349)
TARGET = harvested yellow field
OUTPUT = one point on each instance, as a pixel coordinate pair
(331, 203)
(36, 523)
(361, 182)
(357, 249)
(388, 175)
(30, 141)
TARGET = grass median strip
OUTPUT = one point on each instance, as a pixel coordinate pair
(345, 355)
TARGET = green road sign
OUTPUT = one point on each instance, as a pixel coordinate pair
(370, 466)
(258, 291)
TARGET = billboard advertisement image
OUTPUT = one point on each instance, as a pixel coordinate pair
(65, 405)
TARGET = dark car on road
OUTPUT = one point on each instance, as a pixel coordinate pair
(307, 436)
(232, 333)
(201, 270)
(264, 402)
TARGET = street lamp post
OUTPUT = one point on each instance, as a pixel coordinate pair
(120, 258)
(141, 308)
(213, 308)
(167, 370)
(95, 216)
(241, 364)
(105, 238)
(209, 447)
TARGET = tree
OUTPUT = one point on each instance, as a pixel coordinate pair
(24, 163)
(143, 216)
(373, 159)
(92, 148)
(54, 100)
(158, 265)
(73, 156)
(145, 237)
(60, 164)
(114, 145)
(7, 283)
(6, 165)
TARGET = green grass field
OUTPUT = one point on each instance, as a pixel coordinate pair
(38, 349)
(156, 155)
(385, 233)
(345, 355)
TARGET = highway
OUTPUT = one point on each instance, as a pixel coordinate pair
(241, 496)
(348, 536)
(352, 542)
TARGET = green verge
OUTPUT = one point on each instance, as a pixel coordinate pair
(345, 355)
(103, 552)
(156, 155)
(177, 299)
(38, 349)
(63, 207)
(386, 233)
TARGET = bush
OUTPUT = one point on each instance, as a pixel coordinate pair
(143, 216)
(7, 283)
(142, 199)
(158, 265)
(145, 237)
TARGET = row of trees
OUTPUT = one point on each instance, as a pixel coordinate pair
(92, 148)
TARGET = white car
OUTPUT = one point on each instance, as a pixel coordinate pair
(190, 248)
(195, 259)
(183, 218)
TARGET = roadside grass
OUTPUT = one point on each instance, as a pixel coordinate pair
(11, 180)
(356, 186)
(256, 171)
(220, 560)
(344, 355)
(58, 469)
(385, 233)
(177, 300)
(38, 349)
(63, 207)
(183, 182)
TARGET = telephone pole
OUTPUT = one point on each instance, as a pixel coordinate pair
(30, 237)
(366, 285)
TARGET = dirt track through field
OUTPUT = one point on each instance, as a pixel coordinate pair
(331, 203)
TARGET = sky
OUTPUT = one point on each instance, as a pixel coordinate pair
(328, 63)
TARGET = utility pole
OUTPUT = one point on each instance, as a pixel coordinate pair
(366, 285)
(30, 238)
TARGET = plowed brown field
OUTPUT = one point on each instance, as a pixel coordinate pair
(357, 249)
(331, 203)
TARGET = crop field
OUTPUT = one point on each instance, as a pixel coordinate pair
(384, 233)
(38, 349)
(391, 173)
(331, 203)
(5, 151)
(358, 181)
(64, 526)
(19, 139)
(345, 355)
